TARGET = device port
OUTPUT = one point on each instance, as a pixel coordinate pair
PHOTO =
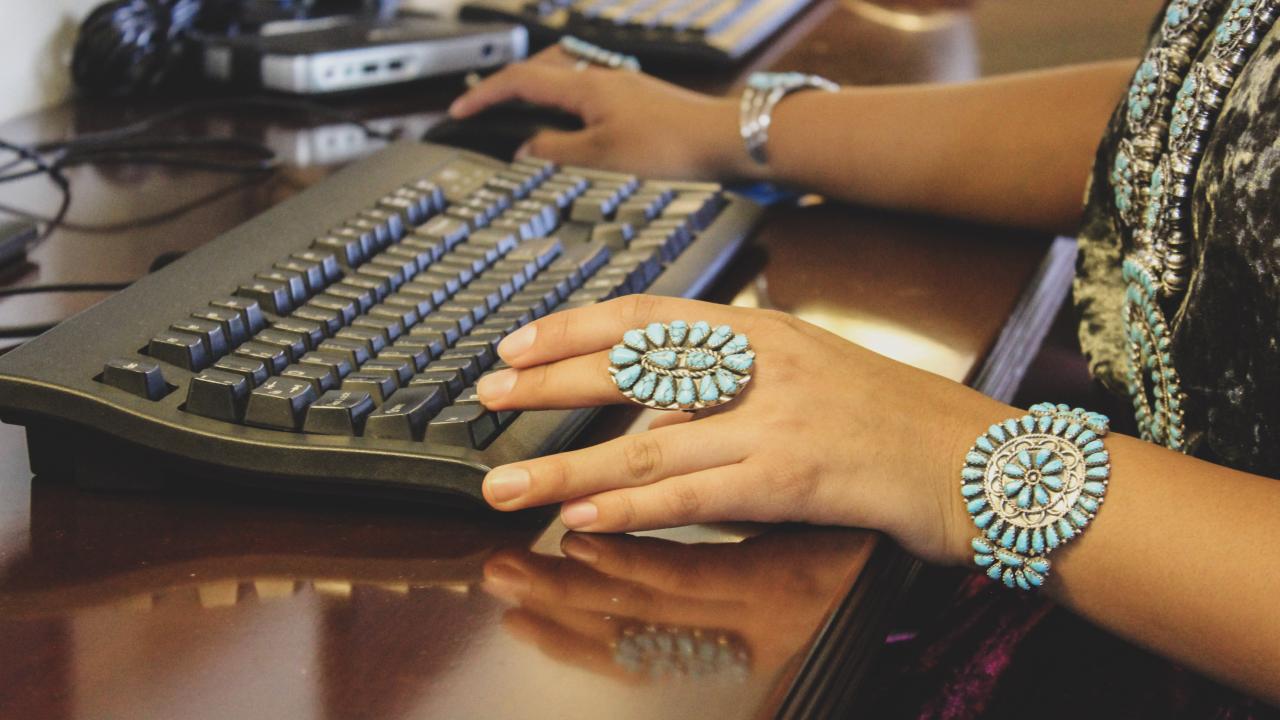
(370, 69)
(395, 65)
(486, 50)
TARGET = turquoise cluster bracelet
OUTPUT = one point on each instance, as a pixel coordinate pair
(1031, 484)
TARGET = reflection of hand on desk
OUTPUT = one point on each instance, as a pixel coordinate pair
(647, 610)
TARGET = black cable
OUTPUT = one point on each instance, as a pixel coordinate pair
(64, 287)
(55, 176)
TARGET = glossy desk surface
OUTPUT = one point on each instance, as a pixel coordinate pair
(203, 606)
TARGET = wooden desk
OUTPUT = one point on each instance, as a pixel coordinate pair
(119, 606)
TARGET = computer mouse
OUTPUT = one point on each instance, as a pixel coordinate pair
(500, 130)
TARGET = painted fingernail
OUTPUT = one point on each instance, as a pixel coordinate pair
(506, 580)
(516, 343)
(496, 385)
(506, 483)
(580, 549)
(579, 514)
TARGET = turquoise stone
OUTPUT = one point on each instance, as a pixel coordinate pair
(665, 394)
(719, 336)
(1053, 482)
(1085, 438)
(635, 340)
(685, 393)
(1051, 467)
(726, 381)
(643, 389)
(736, 345)
(975, 458)
(1007, 539)
(985, 445)
(1040, 565)
(970, 490)
(993, 532)
(1023, 541)
(1077, 517)
(996, 433)
(1014, 470)
(1022, 580)
(1028, 423)
(699, 360)
(1072, 431)
(1008, 559)
(993, 572)
(981, 546)
(621, 355)
(1024, 498)
(1098, 473)
(1033, 577)
(970, 474)
(1065, 530)
(1095, 488)
(657, 334)
(707, 390)
(662, 358)
(984, 519)
(627, 377)
(677, 331)
(1041, 496)
(1058, 426)
(1043, 424)
(1092, 447)
(1051, 537)
(1037, 541)
(1088, 504)
(1013, 487)
(739, 362)
(976, 505)
(1024, 458)
(697, 333)
(983, 560)
(1008, 579)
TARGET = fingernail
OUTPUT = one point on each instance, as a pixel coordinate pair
(454, 107)
(579, 514)
(516, 343)
(507, 483)
(522, 152)
(496, 385)
(506, 580)
(580, 549)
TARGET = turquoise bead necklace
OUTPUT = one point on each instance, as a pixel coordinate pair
(1152, 178)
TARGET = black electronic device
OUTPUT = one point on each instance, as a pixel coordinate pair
(500, 130)
(351, 53)
(333, 342)
(660, 33)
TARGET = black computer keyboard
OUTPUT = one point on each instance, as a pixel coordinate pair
(660, 33)
(333, 343)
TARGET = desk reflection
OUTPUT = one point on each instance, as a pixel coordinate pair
(154, 606)
(646, 610)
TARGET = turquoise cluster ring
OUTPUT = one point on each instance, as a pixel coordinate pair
(681, 365)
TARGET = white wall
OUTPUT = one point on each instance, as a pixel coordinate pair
(35, 50)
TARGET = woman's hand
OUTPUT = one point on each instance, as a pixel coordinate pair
(633, 122)
(827, 432)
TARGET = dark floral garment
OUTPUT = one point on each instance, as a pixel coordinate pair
(1000, 654)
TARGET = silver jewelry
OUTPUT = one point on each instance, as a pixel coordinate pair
(588, 55)
(762, 94)
(681, 366)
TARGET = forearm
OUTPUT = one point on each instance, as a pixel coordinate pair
(1182, 559)
(1013, 150)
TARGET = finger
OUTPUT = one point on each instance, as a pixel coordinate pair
(667, 419)
(713, 495)
(628, 461)
(567, 646)
(567, 147)
(582, 381)
(538, 83)
(601, 326)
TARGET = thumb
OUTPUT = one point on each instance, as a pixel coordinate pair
(575, 147)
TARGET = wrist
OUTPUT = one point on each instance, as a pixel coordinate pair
(722, 154)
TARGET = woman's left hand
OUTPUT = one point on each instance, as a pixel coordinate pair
(827, 432)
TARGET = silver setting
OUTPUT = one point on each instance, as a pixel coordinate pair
(761, 95)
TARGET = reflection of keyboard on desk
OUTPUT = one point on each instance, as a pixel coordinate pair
(658, 32)
(334, 341)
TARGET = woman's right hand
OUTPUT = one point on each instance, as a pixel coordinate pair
(634, 123)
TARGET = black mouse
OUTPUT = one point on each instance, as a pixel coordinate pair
(500, 130)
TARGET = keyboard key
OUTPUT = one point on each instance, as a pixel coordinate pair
(362, 298)
(405, 414)
(279, 404)
(372, 339)
(338, 365)
(615, 235)
(349, 252)
(389, 327)
(293, 344)
(388, 276)
(448, 230)
(233, 325)
(380, 233)
(178, 348)
(296, 282)
(468, 366)
(210, 332)
(249, 309)
(311, 332)
(400, 370)
(273, 296)
(437, 292)
(273, 357)
(137, 376)
(543, 252)
(419, 304)
(355, 352)
(346, 308)
(414, 359)
(378, 386)
(312, 272)
(463, 425)
(338, 412)
(329, 321)
(321, 377)
(327, 261)
(405, 314)
(450, 381)
(430, 346)
(218, 394)
(371, 282)
(252, 370)
(482, 352)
